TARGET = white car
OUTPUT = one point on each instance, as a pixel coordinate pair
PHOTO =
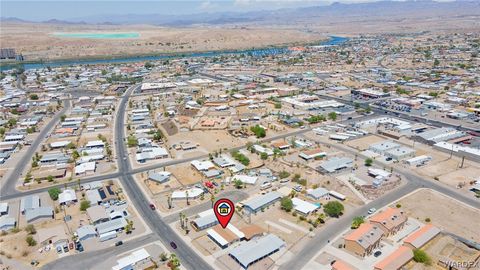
(371, 211)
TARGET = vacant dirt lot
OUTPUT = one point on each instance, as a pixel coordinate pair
(364, 142)
(444, 212)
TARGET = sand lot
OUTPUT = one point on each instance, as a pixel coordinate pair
(364, 143)
(210, 140)
(444, 212)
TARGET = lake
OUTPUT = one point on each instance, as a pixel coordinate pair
(334, 40)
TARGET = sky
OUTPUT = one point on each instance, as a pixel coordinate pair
(39, 10)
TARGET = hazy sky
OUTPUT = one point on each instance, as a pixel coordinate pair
(67, 9)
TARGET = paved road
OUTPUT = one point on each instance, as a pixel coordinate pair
(188, 257)
(92, 259)
(234, 196)
(332, 230)
(10, 182)
(13, 193)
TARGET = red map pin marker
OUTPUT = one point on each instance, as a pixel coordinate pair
(224, 209)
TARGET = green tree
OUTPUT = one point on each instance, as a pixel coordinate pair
(30, 241)
(237, 183)
(286, 204)
(34, 97)
(30, 229)
(132, 141)
(264, 156)
(357, 221)
(421, 256)
(368, 162)
(54, 192)
(84, 205)
(278, 105)
(63, 117)
(332, 116)
(333, 209)
(258, 131)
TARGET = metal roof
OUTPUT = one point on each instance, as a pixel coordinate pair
(254, 250)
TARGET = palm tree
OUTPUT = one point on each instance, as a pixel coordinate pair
(186, 195)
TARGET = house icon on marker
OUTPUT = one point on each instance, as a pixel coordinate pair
(224, 208)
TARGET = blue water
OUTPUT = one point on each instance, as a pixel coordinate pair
(98, 35)
(334, 40)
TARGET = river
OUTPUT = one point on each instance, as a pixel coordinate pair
(334, 40)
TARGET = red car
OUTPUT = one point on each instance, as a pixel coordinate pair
(209, 184)
(152, 206)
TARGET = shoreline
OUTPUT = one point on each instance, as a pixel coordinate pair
(125, 58)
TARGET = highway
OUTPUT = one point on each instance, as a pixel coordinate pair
(10, 182)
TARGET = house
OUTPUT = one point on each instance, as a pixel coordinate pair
(262, 150)
(93, 196)
(421, 237)
(97, 214)
(341, 265)
(318, 193)
(312, 154)
(159, 177)
(202, 165)
(260, 202)
(224, 161)
(400, 153)
(86, 168)
(7, 223)
(363, 240)
(95, 144)
(54, 158)
(390, 221)
(68, 196)
(191, 193)
(3, 208)
(255, 250)
(53, 235)
(281, 145)
(43, 212)
(382, 147)
(136, 258)
(111, 226)
(303, 207)
(151, 153)
(86, 232)
(335, 164)
(29, 203)
(225, 237)
(246, 179)
(396, 260)
(205, 220)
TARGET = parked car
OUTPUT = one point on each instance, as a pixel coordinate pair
(65, 248)
(59, 249)
(173, 245)
(377, 253)
(371, 211)
(152, 206)
(119, 243)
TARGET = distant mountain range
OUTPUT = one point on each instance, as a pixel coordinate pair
(319, 14)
